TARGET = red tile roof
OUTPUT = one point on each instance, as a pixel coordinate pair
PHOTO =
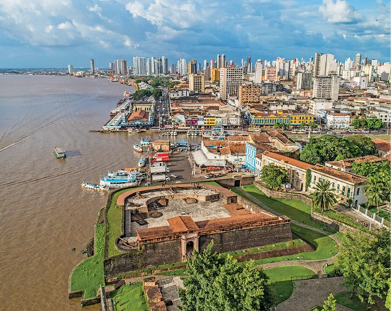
(382, 145)
(288, 160)
(338, 114)
(182, 224)
(349, 177)
(349, 162)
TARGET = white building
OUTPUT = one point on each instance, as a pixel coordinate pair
(319, 105)
(258, 71)
(359, 83)
(326, 87)
(338, 121)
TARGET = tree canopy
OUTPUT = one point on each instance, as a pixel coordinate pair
(330, 148)
(330, 304)
(324, 196)
(364, 261)
(219, 282)
(370, 123)
(274, 176)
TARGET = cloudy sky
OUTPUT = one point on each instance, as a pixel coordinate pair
(55, 33)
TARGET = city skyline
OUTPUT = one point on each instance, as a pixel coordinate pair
(48, 34)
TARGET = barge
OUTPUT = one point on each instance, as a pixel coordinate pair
(59, 152)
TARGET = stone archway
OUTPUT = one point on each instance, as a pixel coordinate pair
(190, 244)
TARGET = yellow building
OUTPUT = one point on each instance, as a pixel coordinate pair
(301, 118)
(267, 120)
(215, 75)
(210, 121)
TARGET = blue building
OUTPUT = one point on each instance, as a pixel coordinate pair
(252, 150)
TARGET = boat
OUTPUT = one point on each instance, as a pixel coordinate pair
(59, 152)
(93, 186)
(137, 148)
(142, 162)
(120, 179)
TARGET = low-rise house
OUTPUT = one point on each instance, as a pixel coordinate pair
(383, 147)
(338, 120)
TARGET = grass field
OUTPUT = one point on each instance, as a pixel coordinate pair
(88, 275)
(326, 247)
(281, 280)
(381, 136)
(129, 298)
(294, 209)
(352, 303)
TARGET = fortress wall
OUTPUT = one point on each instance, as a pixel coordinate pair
(247, 238)
(150, 254)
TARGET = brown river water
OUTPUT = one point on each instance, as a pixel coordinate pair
(44, 212)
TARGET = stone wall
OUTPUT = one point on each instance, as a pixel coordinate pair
(247, 238)
(230, 182)
(337, 225)
(283, 194)
(153, 254)
(251, 206)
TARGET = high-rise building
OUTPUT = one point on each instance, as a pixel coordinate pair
(258, 71)
(117, 67)
(249, 93)
(326, 87)
(218, 61)
(70, 69)
(110, 67)
(270, 73)
(358, 60)
(205, 65)
(139, 66)
(92, 65)
(164, 65)
(197, 83)
(230, 80)
(173, 69)
(249, 65)
(207, 73)
(124, 67)
(215, 75)
(182, 68)
(324, 65)
(192, 67)
(212, 64)
(304, 81)
(223, 61)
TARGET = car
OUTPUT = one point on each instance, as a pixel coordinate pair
(207, 176)
(168, 178)
(174, 176)
(347, 132)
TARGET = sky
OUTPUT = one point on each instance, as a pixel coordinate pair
(55, 33)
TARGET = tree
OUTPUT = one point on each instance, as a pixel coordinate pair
(374, 190)
(364, 261)
(219, 282)
(364, 143)
(273, 176)
(280, 125)
(323, 196)
(329, 304)
(313, 125)
(374, 123)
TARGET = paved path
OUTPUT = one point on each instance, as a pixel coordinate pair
(314, 265)
(356, 216)
(311, 293)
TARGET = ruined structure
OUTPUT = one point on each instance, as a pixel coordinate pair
(167, 224)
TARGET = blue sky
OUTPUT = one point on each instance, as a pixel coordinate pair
(55, 33)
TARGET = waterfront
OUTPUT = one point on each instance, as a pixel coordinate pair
(44, 212)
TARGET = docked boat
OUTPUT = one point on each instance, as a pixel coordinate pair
(59, 152)
(137, 148)
(142, 162)
(93, 186)
(119, 179)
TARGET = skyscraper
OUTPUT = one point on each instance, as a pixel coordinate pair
(139, 66)
(205, 65)
(358, 59)
(124, 67)
(258, 71)
(70, 69)
(324, 64)
(164, 65)
(326, 87)
(92, 69)
(117, 67)
(223, 61)
(218, 61)
(182, 69)
(191, 67)
(249, 65)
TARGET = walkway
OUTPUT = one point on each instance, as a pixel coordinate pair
(315, 292)
(356, 216)
(314, 265)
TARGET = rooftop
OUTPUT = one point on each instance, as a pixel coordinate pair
(291, 161)
(349, 162)
(382, 145)
(348, 177)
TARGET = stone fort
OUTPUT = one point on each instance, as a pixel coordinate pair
(167, 224)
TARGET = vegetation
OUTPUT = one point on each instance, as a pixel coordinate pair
(364, 261)
(329, 304)
(379, 180)
(308, 177)
(274, 176)
(353, 303)
(281, 280)
(370, 123)
(342, 218)
(141, 93)
(129, 298)
(323, 197)
(218, 282)
(330, 148)
(89, 275)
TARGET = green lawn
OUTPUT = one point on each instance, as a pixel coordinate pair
(294, 209)
(213, 183)
(281, 280)
(381, 213)
(352, 303)
(88, 275)
(330, 270)
(129, 298)
(326, 247)
(381, 136)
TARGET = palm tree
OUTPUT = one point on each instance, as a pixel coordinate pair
(374, 190)
(324, 196)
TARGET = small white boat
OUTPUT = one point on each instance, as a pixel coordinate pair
(137, 148)
(142, 162)
(93, 186)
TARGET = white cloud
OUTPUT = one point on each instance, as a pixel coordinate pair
(49, 29)
(338, 12)
(66, 25)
